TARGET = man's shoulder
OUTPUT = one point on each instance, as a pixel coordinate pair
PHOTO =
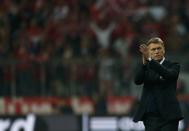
(169, 63)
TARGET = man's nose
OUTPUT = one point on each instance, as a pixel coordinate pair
(156, 50)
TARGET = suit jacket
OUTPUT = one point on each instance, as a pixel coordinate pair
(162, 81)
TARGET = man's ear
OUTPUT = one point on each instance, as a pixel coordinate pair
(164, 50)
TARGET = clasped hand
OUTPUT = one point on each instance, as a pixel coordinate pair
(145, 53)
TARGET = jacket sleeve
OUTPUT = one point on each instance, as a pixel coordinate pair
(152, 78)
(140, 74)
(170, 73)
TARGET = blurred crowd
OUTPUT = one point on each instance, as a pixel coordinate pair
(83, 47)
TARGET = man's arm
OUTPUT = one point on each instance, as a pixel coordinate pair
(169, 74)
(140, 74)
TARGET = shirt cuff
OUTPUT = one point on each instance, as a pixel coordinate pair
(149, 59)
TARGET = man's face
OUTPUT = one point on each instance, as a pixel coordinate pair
(156, 51)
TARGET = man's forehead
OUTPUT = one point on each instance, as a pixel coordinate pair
(154, 45)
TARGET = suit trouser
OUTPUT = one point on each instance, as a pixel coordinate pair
(152, 123)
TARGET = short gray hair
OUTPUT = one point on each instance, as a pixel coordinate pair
(155, 40)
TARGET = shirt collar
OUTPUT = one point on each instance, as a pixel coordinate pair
(161, 62)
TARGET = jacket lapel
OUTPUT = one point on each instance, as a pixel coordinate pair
(165, 63)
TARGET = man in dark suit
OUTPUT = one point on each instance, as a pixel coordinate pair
(159, 108)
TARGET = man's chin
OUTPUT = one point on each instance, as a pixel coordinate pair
(157, 59)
